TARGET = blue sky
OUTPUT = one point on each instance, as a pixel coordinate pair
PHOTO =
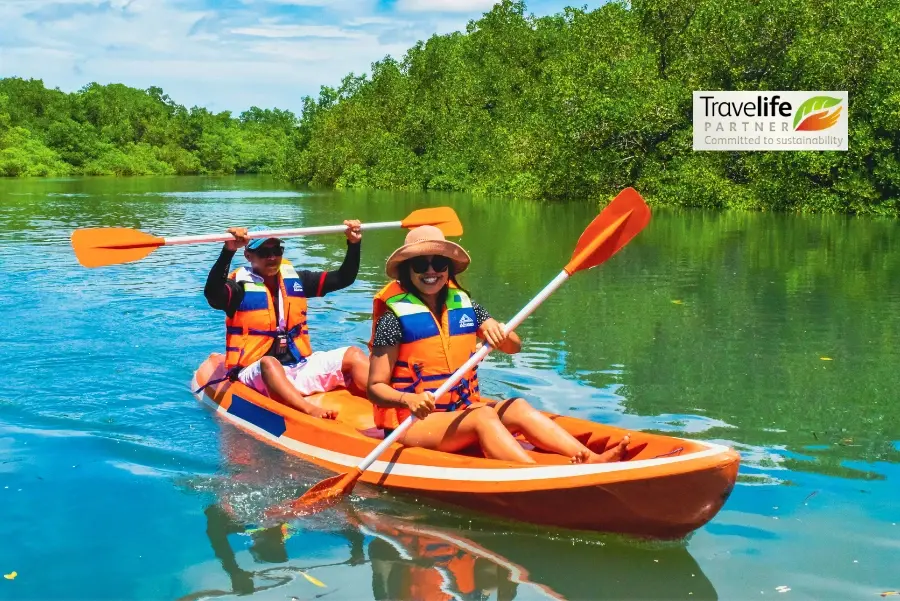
(222, 54)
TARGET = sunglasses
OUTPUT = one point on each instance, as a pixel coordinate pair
(420, 264)
(264, 252)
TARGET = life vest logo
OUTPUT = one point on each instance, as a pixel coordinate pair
(466, 322)
(814, 114)
(297, 287)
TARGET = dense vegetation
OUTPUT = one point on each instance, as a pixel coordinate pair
(117, 130)
(574, 105)
(581, 104)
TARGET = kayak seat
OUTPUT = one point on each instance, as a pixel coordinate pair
(373, 432)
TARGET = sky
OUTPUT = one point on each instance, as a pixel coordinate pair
(223, 54)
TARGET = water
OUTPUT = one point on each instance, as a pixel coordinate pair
(778, 335)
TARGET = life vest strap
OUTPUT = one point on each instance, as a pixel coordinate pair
(231, 374)
(289, 334)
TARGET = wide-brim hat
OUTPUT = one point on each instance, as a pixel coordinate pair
(426, 240)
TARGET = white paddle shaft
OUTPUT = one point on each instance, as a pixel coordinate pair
(287, 233)
(511, 325)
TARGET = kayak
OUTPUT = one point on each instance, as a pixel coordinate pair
(665, 488)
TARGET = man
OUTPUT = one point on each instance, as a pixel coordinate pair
(267, 344)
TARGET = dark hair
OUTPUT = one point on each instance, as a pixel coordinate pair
(406, 281)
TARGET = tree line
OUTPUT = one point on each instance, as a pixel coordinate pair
(575, 105)
(117, 130)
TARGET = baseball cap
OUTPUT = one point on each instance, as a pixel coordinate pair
(257, 242)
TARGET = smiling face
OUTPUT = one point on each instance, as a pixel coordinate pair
(266, 260)
(429, 273)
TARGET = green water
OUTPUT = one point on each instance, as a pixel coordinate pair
(777, 335)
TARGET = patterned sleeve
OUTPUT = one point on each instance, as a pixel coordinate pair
(387, 331)
(481, 314)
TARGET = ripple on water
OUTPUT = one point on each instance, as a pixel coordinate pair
(226, 194)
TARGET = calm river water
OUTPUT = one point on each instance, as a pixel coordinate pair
(778, 335)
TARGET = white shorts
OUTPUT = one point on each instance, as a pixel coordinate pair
(320, 373)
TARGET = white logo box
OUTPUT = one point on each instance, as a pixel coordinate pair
(770, 120)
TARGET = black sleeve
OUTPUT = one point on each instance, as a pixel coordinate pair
(320, 283)
(220, 292)
(387, 331)
(481, 314)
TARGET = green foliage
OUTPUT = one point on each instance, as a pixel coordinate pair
(583, 103)
(117, 130)
(21, 154)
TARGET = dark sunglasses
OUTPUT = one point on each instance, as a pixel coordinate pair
(264, 252)
(420, 264)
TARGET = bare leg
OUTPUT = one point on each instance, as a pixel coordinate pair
(282, 390)
(543, 432)
(356, 365)
(453, 431)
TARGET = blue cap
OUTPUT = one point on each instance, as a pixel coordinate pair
(257, 242)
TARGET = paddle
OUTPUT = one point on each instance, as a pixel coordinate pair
(612, 229)
(99, 246)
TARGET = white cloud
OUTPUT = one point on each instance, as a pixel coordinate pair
(449, 6)
(267, 53)
(297, 31)
(370, 21)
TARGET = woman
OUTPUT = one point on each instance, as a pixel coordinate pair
(425, 326)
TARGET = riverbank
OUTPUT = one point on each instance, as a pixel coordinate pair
(569, 107)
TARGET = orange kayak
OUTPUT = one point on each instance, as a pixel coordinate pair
(666, 488)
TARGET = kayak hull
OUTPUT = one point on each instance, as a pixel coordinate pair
(666, 488)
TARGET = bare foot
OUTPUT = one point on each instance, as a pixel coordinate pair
(581, 457)
(323, 413)
(319, 412)
(617, 453)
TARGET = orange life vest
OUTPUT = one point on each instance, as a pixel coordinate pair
(430, 351)
(250, 332)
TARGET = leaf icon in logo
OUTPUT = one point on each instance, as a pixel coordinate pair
(814, 104)
(819, 121)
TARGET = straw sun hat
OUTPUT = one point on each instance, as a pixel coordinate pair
(426, 240)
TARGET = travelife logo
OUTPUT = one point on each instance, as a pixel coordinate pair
(785, 120)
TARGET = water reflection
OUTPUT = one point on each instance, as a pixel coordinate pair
(417, 560)
(489, 564)
(268, 546)
(428, 553)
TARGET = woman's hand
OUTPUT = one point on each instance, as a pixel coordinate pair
(493, 333)
(240, 238)
(419, 404)
(353, 232)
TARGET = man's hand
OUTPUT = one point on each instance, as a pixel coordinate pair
(240, 238)
(353, 233)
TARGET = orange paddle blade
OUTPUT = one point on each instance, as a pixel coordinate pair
(443, 217)
(98, 246)
(321, 496)
(612, 229)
